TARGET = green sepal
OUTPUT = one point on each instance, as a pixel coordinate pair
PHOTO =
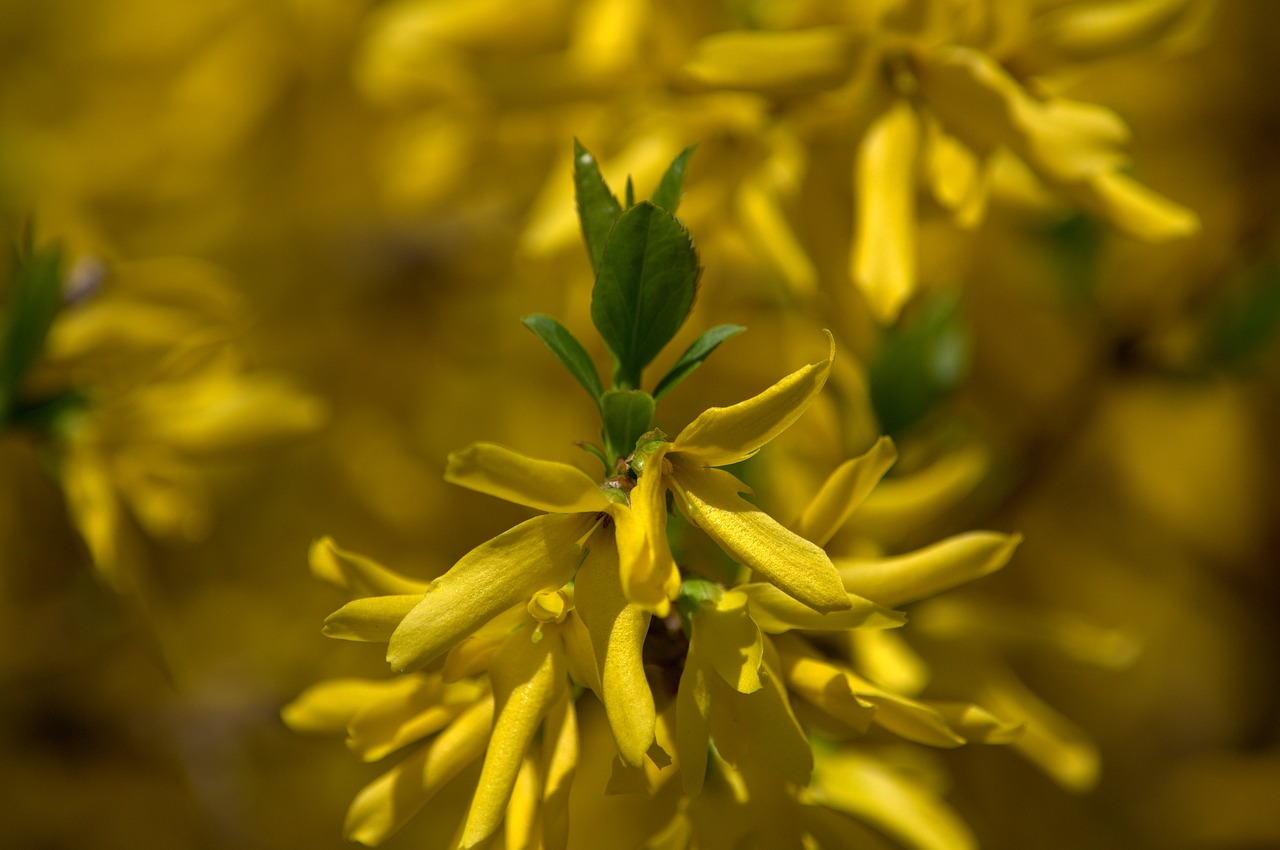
(693, 357)
(627, 415)
(631, 193)
(567, 350)
(598, 208)
(695, 594)
(918, 365)
(34, 298)
(645, 288)
(667, 195)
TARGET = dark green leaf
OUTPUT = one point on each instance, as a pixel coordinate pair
(627, 414)
(631, 193)
(667, 194)
(647, 282)
(567, 350)
(35, 296)
(598, 209)
(693, 357)
(918, 365)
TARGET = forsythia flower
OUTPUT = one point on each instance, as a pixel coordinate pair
(579, 599)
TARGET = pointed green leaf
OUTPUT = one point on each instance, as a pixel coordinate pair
(667, 195)
(598, 209)
(693, 357)
(628, 414)
(631, 193)
(35, 295)
(567, 350)
(647, 282)
(919, 364)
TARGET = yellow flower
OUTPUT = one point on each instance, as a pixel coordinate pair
(710, 498)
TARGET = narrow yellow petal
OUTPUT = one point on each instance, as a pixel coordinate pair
(927, 571)
(541, 484)
(730, 642)
(356, 574)
(776, 62)
(650, 577)
(889, 660)
(801, 569)
(387, 724)
(693, 722)
(528, 678)
(775, 612)
(1090, 31)
(617, 630)
(974, 723)
(537, 554)
(559, 764)
(1135, 209)
(327, 707)
(761, 727)
(724, 435)
(844, 491)
(822, 684)
(521, 823)
(385, 805)
(766, 224)
(884, 252)
(1059, 747)
(896, 804)
(374, 618)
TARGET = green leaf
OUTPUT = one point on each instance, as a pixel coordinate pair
(34, 299)
(631, 193)
(693, 357)
(1247, 322)
(667, 195)
(627, 414)
(598, 209)
(567, 350)
(647, 282)
(919, 364)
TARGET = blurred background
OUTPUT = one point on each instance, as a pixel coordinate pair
(295, 238)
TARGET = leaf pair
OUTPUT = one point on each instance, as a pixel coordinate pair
(647, 273)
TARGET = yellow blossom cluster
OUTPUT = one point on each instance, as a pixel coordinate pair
(262, 268)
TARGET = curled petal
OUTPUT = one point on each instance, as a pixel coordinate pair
(933, 569)
(374, 618)
(541, 484)
(617, 630)
(884, 251)
(900, 806)
(528, 679)
(328, 707)
(844, 490)
(731, 642)
(356, 574)
(538, 553)
(798, 567)
(387, 724)
(390, 801)
(724, 435)
(775, 612)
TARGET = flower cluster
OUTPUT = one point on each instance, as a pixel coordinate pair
(737, 686)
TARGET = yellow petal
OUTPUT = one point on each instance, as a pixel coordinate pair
(724, 435)
(975, 724)
(889, 660)
(537, 554)
(356, 574)
(789, 61)
(374, 618)
(775, 612)
(541, 484)
(387, 724)
(1089, 31)
(528, 678)
(579, 655)
(730, 642)
(710, 498)
(761, 727)
(521, 822)
(899, 805)
(884, 252)
(823, 685)
(386, 804)
(843, 491)
(693, 722)
(559, 763)
(762, 216)
(328, 707)
(944, 565)
(650, 577)
(617, 630)
(1135, 209)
